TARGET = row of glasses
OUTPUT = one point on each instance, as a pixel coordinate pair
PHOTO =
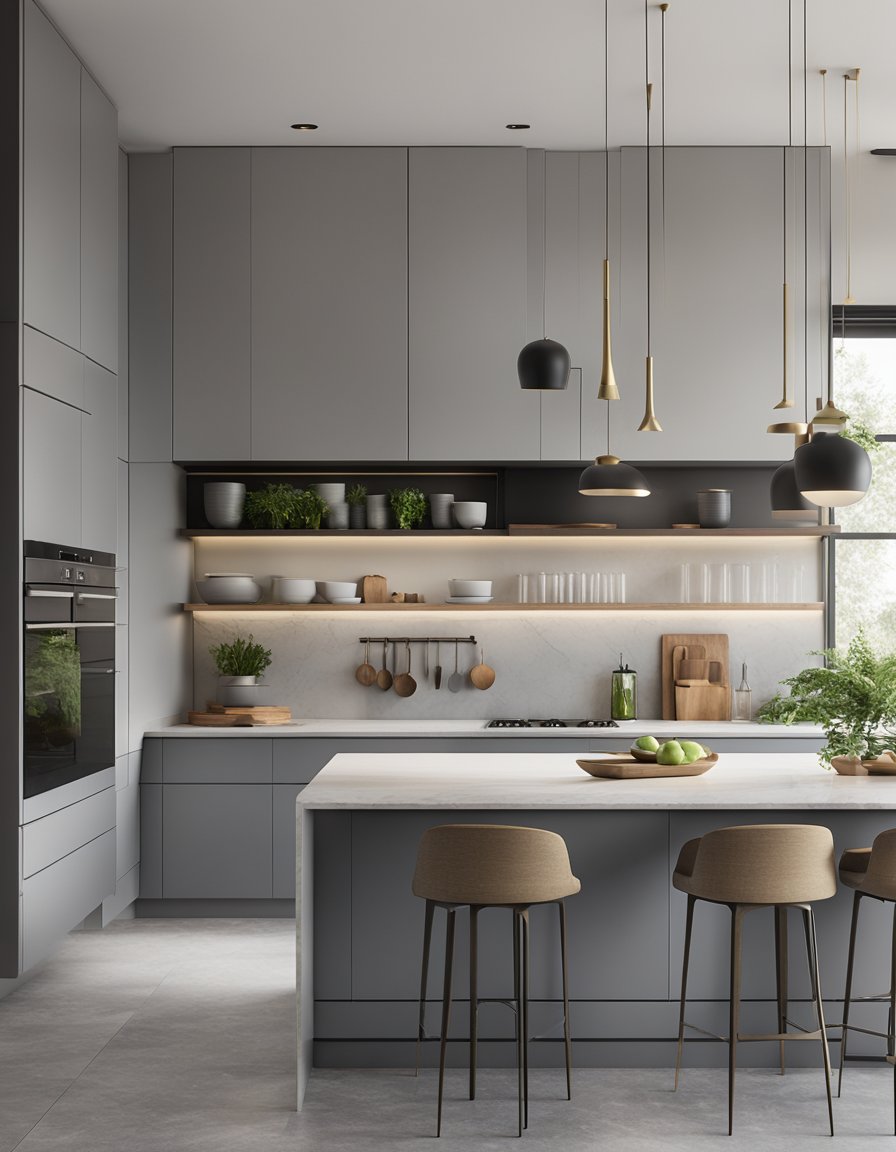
(763, 582)
(571, 588)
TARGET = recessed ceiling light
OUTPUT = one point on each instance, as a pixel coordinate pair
(517, 127)
(304, 127)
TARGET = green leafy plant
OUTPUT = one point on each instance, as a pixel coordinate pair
(862, 434)
(274, 506)
(408, 506)
(241, 657)
(853, 698)
(308, 509)
(356, 495)
(53, 703)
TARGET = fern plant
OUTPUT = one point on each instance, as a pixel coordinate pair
(241, 657)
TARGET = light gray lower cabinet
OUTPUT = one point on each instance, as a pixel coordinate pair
(99, 225)
(329, 304)
(51, 481)
(284, 843)
(99, 460)
(212, 386)
(217, 841)
(467, 306)
(51, 252)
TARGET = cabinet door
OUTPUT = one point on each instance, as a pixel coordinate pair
(284, 852)
(217, 841)
(211, 304)
(53, 368)
(99, 460)
(329, 304)
(716, 322)
(99, 225)
(51, 470)
(51, 182)
(467, 232)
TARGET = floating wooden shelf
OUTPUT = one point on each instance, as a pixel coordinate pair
(514, 530)
(330, 533)
(583, 530)
(521, 608)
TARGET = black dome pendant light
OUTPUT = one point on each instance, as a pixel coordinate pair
(543, 365)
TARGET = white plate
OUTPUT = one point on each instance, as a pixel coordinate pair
(346, 600)
(469, 600)
(220, 575)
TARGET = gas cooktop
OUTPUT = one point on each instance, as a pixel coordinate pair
(553, 723)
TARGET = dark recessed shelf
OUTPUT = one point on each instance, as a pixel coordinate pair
(514, 530)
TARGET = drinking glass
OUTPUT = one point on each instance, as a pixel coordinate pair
(739, 583)
(718, 584)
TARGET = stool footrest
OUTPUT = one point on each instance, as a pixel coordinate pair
(802, 1035)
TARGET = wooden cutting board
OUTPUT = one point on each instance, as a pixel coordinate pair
(703, 702)
(216, 720)
(707, 646)
(375, 590)
(262, 714)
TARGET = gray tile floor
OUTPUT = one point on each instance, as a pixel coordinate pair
(160, 1035)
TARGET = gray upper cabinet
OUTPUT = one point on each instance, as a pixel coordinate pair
(467, 316)
(99, 225)
(211, 304)
(52, 181)
(716, 323)
(51, 469)
(329, 304)
(99, 460)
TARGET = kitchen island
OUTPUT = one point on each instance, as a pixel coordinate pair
(359, 927)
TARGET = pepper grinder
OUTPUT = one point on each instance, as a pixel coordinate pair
(743, 699)
(624, 693)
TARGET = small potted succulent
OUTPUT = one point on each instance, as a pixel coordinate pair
(408, 507)
(356, 498)
(853, 698)
(240, 664)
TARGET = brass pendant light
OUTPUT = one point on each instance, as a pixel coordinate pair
(650, 423)
(608, 475)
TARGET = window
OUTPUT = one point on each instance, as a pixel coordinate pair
(863, 566)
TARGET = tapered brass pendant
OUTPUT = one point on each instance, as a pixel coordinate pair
(650, 422)
(607, 389)
(830, 416)
(785, 401)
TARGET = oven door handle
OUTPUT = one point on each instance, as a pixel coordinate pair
(63, 624)
(94, 596)
(47, 593)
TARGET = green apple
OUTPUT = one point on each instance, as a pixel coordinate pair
(670, 753)
(692, 751)
(647, 743)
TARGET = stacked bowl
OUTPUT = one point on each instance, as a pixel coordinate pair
(470, 591)
(228, 588)
(338, 591)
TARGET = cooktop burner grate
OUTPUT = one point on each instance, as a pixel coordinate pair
(550, 723)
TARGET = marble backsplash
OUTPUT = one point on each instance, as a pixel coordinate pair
(547, 663)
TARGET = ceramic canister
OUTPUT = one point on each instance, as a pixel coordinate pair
(223, 503)
(714, 507)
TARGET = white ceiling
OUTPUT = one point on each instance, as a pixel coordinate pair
(380, 72)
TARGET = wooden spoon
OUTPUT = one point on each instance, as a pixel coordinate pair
(405, 684)
(455, 680)
(366, 673)
(481, 676)
(437, 678)
(384, 676)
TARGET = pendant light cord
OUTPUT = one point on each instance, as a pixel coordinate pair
(824, 106)
(647, 88)
(607, 158)
(846, 188)
(544, 245)
(805, 221)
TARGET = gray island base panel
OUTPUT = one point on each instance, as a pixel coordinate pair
(359, 927)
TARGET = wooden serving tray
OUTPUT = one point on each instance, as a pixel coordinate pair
(626, 767)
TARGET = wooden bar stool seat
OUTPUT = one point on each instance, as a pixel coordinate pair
(759, 866)
(492, 866)
(870, 872)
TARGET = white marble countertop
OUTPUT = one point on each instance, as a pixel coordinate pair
(553, 780)
(704, 729)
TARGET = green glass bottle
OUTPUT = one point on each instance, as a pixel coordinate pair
(624, 693)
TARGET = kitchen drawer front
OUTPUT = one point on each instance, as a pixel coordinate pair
(216, 761)
(60, 896)
(51, 838)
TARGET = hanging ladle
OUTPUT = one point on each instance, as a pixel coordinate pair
(405, 684)
(366, 673)
(481, 676)
(384, 676)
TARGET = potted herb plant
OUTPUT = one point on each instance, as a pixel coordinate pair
(408, 507)
(240, 664)
(273, 506)
(308, 509)
(356, 498)
(853, 698)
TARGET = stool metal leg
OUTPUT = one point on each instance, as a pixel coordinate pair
(427, 938)
(781, 973)
(847, 995)
(689, 924)
(737, 915)
(474, 995)
(519, 1017)
(561, 907)
(812, 954)
(891, 1025)
(524, 920)
(446, 1009)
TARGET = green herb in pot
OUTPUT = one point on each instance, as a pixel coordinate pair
(241, 657)
(309, 508)
(274, 506)
(356, 495)
(408, 507)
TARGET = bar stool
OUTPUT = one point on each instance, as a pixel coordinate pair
(759, 866)
(492, 866)
(870, 872)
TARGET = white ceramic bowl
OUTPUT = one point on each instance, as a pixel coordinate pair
(470, 587)
(288, 590)
(229, 590)
(337, 589)
(346, 600)
(470, 513)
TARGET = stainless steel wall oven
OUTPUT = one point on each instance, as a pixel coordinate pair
(69, 664)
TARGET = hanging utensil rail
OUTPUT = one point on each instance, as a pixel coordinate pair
(417, 640)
